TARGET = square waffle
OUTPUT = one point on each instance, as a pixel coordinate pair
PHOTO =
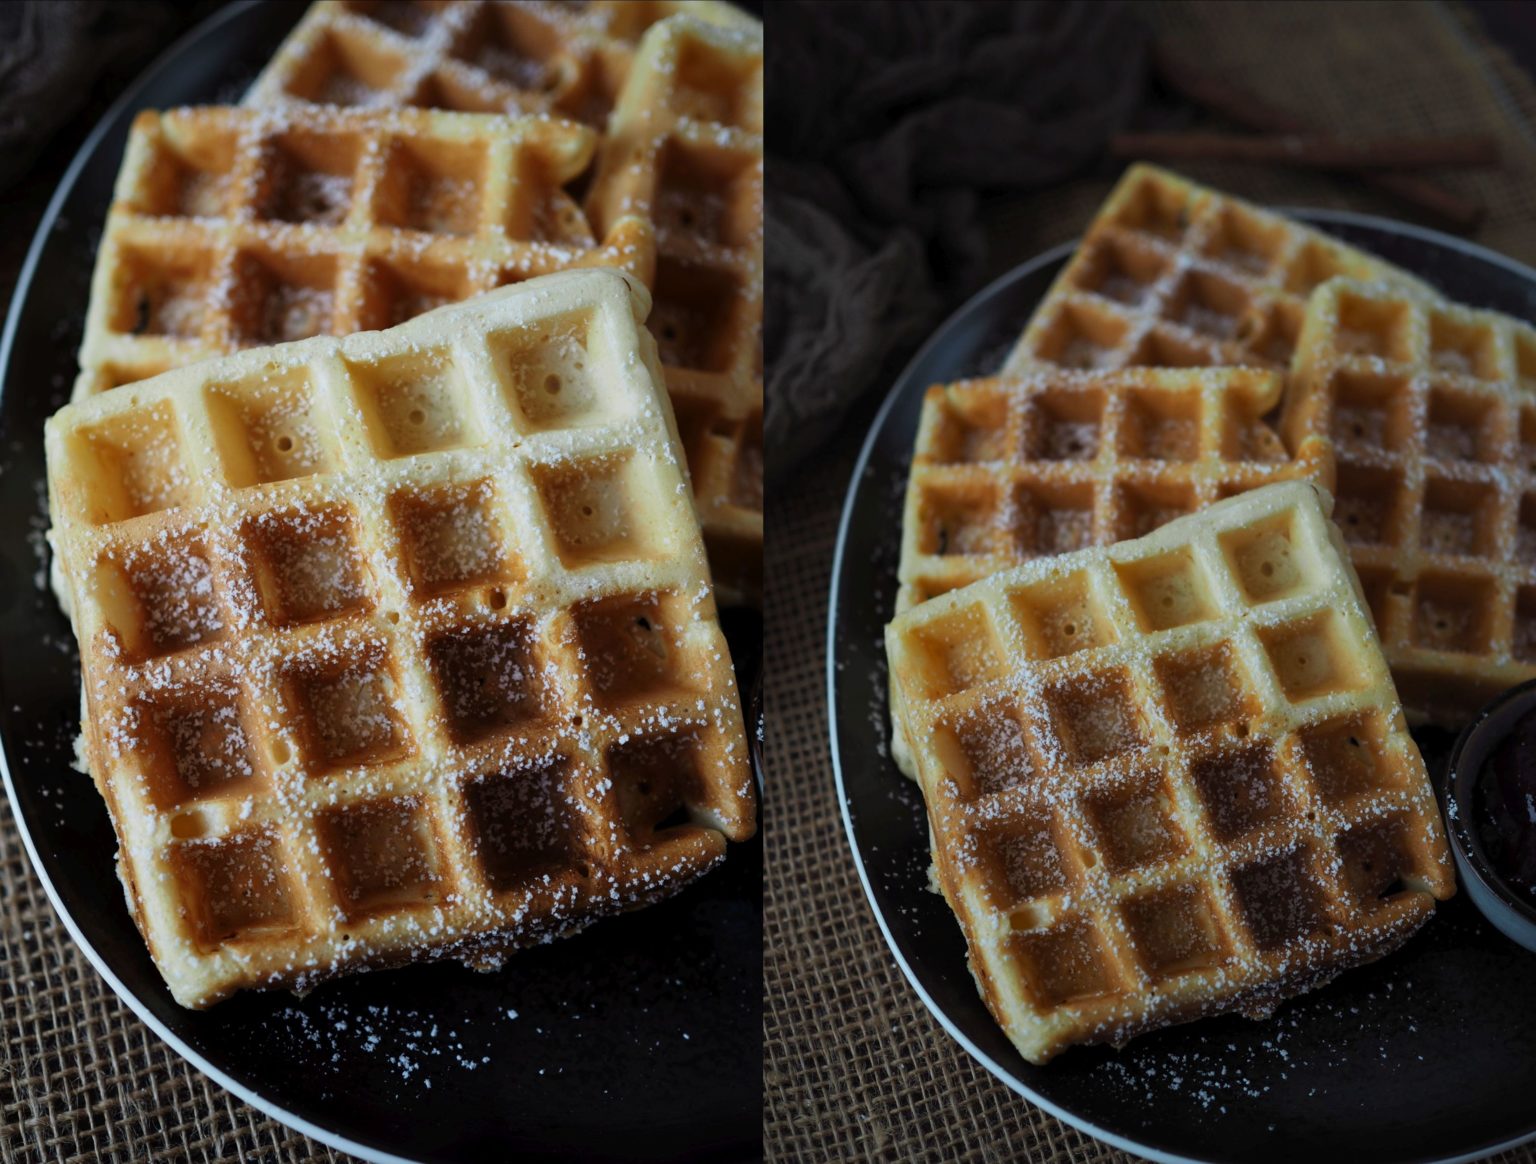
(1431, 409)
(485, 56)
(234, 228)
(399, 646)
(685, 149)
(1169, 777)
(1172, 274)
(1047, 462)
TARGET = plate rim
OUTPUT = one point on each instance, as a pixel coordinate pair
(899, 387)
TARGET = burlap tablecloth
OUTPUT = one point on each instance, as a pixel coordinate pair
(856, 1068)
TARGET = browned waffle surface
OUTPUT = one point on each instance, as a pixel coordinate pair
(1169, 777)
(399, 646)
(1172, 274)
(235, 228)
(1431, 409)
(1020, 467)
(486, 56)
(685, 150)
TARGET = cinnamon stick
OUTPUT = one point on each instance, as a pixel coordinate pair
(1309, 151)
(1237, 105)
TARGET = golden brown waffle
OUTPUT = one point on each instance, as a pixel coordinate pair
(1048, 462)
(399, 646)
(1171, 274)
(1431, 409)
(503, 56)
(1170, 777)
(235, 228)
(685, 149)
(1013, 468)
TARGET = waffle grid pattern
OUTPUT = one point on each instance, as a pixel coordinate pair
(1431, 410)
(685, 149)
(1168, 778)
(236, 228)
(481, 56)
(1172, 274)
(1010, 469)
(398, 646)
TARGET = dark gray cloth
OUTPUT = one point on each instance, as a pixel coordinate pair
(51, 54)
(887, 123)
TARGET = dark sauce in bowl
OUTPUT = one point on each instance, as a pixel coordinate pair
(1505, 808)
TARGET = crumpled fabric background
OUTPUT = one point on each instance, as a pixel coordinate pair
(54, 52)
(886, 126)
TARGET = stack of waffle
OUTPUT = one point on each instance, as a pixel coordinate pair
(1240, 495)
(1431, 411)
(398, 636)
(394, 157)
(685, 151)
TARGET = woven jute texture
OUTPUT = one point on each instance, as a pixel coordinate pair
(855, 1067)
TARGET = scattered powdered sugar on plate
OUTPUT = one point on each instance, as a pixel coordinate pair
(1220, 1072)
(415, 1045)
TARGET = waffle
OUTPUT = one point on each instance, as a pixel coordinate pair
(1048, 462)
(234, 228)
(526, 56)
(1431, 409)
(685, 149)
(1170, 777)
(400, 646)
(1171, 274)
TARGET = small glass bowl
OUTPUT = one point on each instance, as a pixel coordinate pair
(1512, 913)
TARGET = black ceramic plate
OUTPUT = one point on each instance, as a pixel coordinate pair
(1427, 1055)
(640, 1039)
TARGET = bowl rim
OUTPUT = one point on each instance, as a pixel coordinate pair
(1459, 793)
